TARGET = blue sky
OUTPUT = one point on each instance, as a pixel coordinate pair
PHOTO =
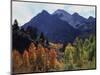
(24, 11)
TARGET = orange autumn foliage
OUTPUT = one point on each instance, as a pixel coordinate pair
(52, 58)
(16, 60)
(32, 53)
(37, 58)
(26, 59)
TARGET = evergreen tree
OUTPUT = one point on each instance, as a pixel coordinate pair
(15, 25)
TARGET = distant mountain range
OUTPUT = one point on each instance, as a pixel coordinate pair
(61, 26)
(74, 20)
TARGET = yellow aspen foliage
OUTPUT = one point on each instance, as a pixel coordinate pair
(69, 56)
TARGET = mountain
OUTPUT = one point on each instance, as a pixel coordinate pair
(74, 19)
(63, 15)
(78, 20)
(53, 28)
(89, 26)
(91, 19)
(61, 26)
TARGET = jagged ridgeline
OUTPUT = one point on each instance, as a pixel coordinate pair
(61, 24)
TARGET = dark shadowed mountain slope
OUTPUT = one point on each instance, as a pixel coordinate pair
(61, 26)
(54, 29)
